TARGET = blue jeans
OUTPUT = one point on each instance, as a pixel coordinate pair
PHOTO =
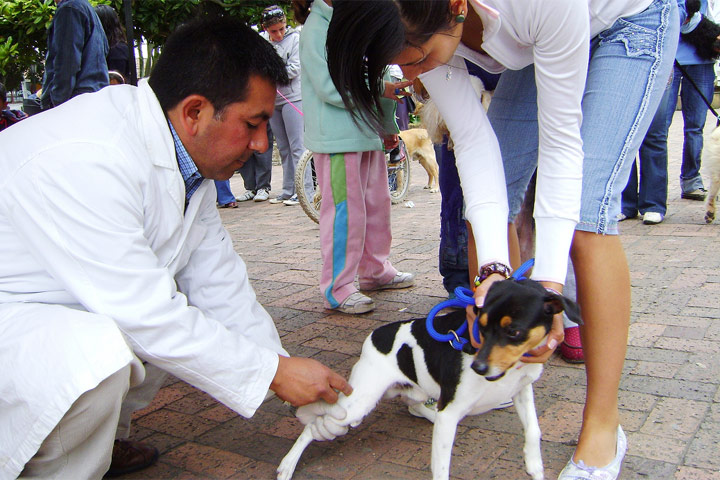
(224, 194)
(453, 254)
(694, 111)
(630, 63)
(650, 193)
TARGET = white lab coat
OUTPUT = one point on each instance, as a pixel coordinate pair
(99, 267)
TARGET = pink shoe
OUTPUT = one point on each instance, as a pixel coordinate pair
(571, 348)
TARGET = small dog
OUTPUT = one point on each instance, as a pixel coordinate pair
(420, 148)
(711, 164)
(402, 359)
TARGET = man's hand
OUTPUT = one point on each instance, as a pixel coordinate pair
(300, 381)
(325, 420)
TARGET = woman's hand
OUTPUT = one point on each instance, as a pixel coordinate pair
(394, 90)
(555, 337)
(480, 293)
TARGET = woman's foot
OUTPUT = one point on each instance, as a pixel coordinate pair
(577, 469)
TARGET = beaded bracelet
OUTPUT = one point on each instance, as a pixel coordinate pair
(491, 268)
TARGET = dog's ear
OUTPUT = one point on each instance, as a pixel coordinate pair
(559, 303)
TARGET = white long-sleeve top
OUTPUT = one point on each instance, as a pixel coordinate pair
(555, 36)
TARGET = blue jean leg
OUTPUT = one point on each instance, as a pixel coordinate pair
(224, 194)
(453, 254)
(650, 193)
(629, 67)
(630, 63)
(694, 111)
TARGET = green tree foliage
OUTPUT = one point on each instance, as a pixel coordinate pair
(23, 26)
(24, 23)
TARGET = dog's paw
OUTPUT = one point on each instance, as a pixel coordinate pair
(709, 217)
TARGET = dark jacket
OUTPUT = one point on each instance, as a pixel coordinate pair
(77, 48)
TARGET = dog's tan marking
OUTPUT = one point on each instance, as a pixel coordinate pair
(505, 321)
(504, 357)
(483, 320)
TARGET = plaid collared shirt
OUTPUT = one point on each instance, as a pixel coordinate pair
(188, 169)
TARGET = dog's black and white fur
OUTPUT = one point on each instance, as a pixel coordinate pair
(401, 359)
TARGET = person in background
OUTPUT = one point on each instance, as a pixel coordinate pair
(692, 67)
(287, 122)
(118, 57)
(257, 174)
(355, 230)
(8, 116)
(76, 57)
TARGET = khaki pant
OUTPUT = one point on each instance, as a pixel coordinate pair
(80, 446)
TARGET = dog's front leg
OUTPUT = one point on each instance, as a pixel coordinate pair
(525, 406)
(442, 443)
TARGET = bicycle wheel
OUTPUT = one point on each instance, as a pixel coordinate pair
(399, 176)
(309, 198)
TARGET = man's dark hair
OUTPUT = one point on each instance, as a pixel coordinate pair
(214, 58)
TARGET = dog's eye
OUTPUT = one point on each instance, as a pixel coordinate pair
(513, 333)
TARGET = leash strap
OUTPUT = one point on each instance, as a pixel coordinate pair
(291, 103)
(464, 298)
(697, 89)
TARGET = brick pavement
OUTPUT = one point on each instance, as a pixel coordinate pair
(669, 398)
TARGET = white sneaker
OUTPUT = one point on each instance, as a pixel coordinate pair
(356, 303)
(400, 280)
(652, 218)
(291, 201)
(262, 195)
(277, 200)
(248, 195)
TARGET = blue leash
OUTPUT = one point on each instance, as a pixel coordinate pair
(464, 298)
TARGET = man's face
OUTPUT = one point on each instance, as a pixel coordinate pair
(276, 32)
(222, 145)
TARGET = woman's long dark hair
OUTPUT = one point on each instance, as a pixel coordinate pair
(364, 37)
(111, 24)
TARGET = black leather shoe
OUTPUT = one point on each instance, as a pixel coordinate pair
(129, 456)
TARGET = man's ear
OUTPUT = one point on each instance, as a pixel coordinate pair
(190, 114)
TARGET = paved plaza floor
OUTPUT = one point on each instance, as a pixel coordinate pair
(669, 396)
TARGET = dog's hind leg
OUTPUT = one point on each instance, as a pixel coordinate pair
(525, 406)
(711, 198)
(287, 467)
(443, 438)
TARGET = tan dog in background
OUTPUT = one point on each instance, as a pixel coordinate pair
(420, 148)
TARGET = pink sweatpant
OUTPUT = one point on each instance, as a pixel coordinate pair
(355, 231)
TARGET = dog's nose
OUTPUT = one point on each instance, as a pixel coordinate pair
(481, 368)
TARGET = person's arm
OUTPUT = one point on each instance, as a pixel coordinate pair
(313, 60)
(561, 51)
(68, 43)
(479, 162)
(91, 237)
(293, 62)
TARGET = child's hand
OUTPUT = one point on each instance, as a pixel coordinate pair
(391, 141)
(395, 90)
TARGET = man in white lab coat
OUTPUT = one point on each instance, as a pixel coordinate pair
(113, 255)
